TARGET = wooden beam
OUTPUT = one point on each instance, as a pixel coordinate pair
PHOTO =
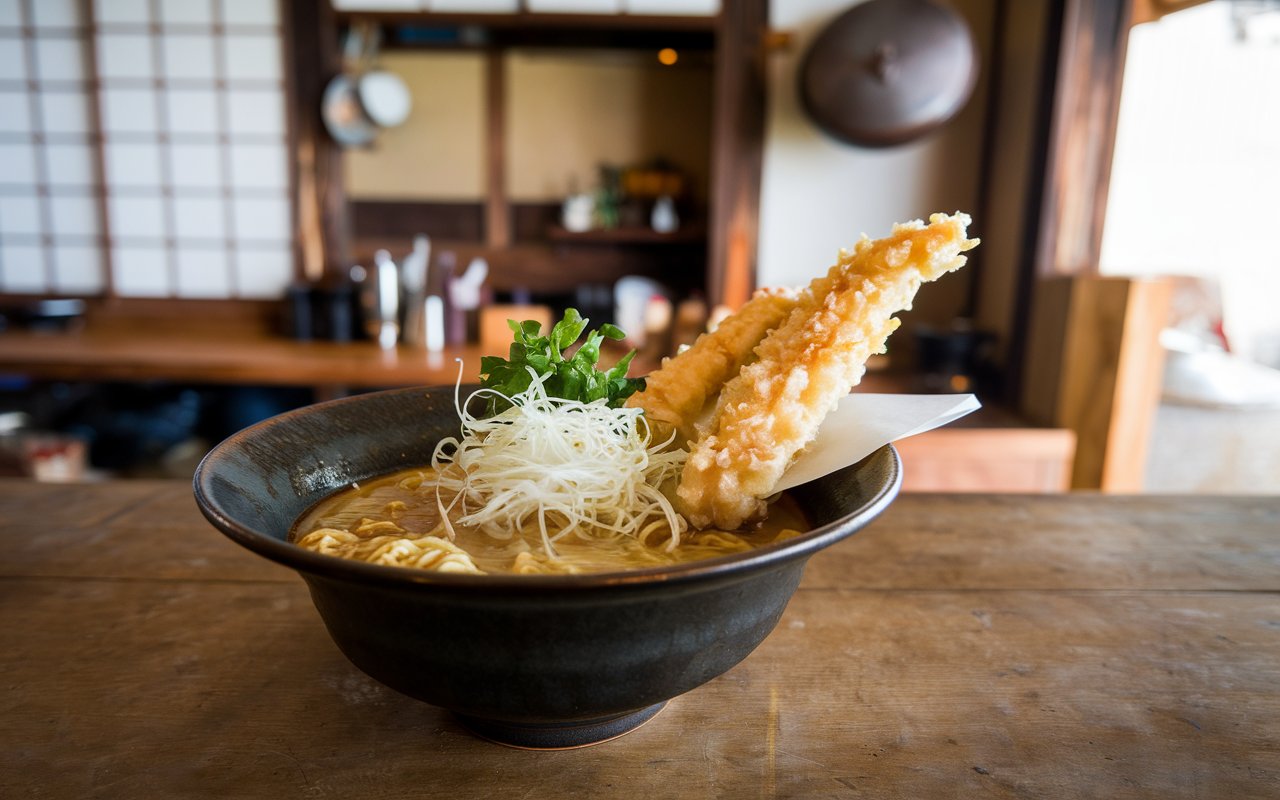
(93, 95)
(737, 151)
(323, 228)
(497, 209)
(1095, 35)
(1070, 172)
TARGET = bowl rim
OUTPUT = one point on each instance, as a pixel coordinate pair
(309, 562)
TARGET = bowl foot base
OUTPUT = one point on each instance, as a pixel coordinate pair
(559, 736)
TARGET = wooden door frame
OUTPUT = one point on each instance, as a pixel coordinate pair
(1086, 352)
(1066, 199)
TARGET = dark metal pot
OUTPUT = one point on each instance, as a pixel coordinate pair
(531, 661)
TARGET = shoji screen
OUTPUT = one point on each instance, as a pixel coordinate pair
(191, 195)
(51, 223)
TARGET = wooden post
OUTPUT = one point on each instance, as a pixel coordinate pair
(497, 209)
(323, 229)
(737, 151)
(1082, 136)
(1095, 366)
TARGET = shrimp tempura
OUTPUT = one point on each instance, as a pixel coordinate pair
(773, 408)
(675, 394)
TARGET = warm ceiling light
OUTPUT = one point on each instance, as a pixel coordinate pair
(668, 56)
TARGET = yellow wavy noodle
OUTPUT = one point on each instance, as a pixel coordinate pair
(422, 552)
(394, 520)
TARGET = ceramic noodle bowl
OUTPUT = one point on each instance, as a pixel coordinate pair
(527, 660)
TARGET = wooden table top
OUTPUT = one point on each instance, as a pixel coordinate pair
(961, 646)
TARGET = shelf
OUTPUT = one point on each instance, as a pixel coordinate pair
(542, 267)
(688, 234)
(526, 20)
(531, 256)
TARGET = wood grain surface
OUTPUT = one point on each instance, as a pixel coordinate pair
(225, 357)
(962, 646)
(1097, 371)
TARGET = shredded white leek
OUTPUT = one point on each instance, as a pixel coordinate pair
(564, 466)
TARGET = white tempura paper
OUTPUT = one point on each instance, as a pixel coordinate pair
(863, 423)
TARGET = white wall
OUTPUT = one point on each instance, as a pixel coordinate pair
(818, 195)
(567, 113)
(439, 151)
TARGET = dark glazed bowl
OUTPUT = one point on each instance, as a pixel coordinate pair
(530, 661)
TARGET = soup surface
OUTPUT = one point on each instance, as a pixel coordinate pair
(396, 520)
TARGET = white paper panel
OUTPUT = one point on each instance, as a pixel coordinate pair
(129, 111)
(392, 5)
(203, 273)
(123, 11)
(698, 8)
(13, 59)
(252, 57)
(20, 214)
(71, 165)
(125, 56)
(141, 271)
(75, 215)
(65, 112)
(189, 12)
(258, 167)
(192, 111)
(196, 165)
(22, 268)
(78, 269)
(475, 6)
(17, 163)
(575, 6)
(251, 111)
(250, 12)
(199, 217)
(262, 219)
(56, 14)
(263, 273)
(11, 16)
(137, 217)
(17, 112)
(133, 165)
(60, 59)
(188, 57)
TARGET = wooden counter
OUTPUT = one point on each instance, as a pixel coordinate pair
(224, 357)
(962, 646)
(990, 451)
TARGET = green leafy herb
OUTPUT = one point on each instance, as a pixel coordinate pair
(572, 377)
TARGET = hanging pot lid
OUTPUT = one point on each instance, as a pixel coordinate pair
(385, 98)
(886, 72)
(344, 117)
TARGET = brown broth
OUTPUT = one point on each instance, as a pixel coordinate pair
(407, 501)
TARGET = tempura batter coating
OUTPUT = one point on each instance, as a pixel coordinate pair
(773, 408)
(675, 394)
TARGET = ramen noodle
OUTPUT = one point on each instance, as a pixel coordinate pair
(394, 520)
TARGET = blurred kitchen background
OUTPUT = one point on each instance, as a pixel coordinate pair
(212, 211)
